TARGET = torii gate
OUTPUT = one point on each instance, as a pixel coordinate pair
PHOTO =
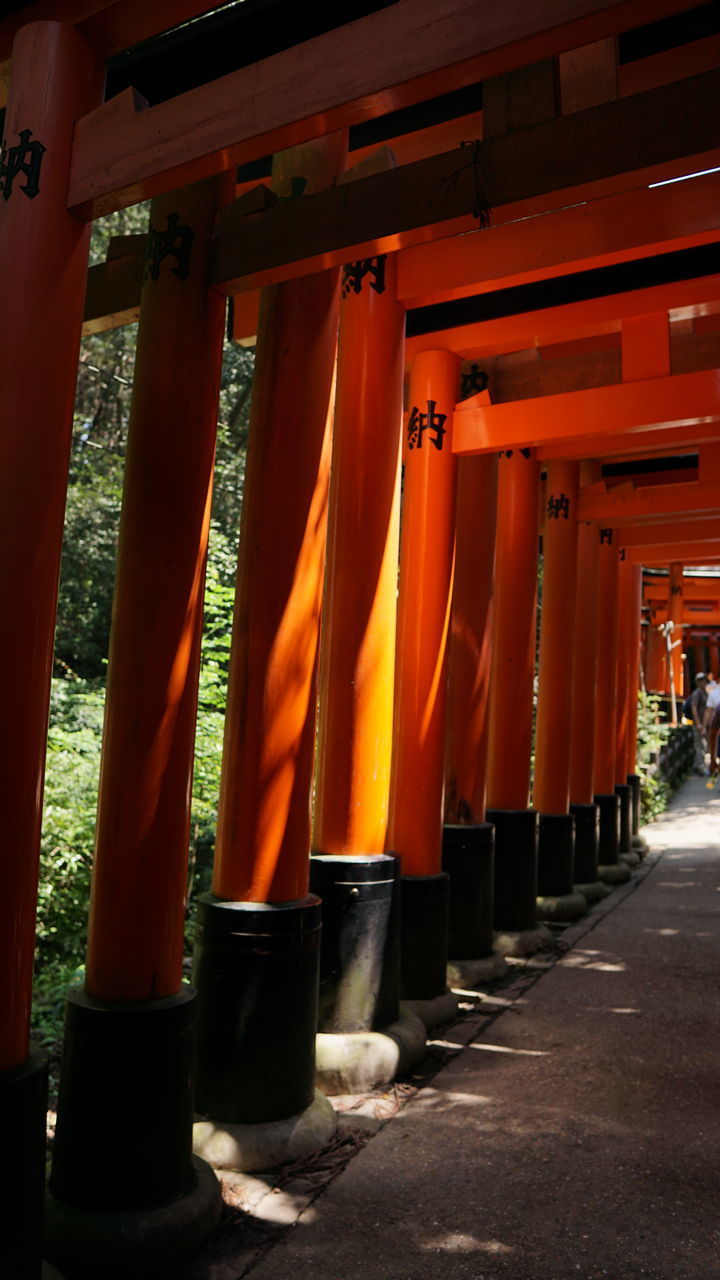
(69, 158)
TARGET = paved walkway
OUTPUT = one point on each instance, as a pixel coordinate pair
(576, 1135)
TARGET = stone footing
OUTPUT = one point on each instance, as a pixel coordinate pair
(434, 1012)
(640, 845)
(23, 1110)
(565, 906)
(593, 892)
(356, 1061)
(630, 859)
(49, 1272)
(254, 1148)
(424, 926)
(118, 1243)
(524, 942)
(475, 973)
(616, 873)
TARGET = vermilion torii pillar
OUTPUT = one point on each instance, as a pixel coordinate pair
(638, 842)
(56, 78)
(675, 616)
(584, 679)
(468, 841)
(511, 693)
(350, 870)
(551, 790)
(134, 993)
(259, 930)
(605, 737)
(424, 602)
(626, 638)
(655, 681)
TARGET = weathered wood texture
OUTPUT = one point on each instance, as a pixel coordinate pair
(399, 56)
(624, 504)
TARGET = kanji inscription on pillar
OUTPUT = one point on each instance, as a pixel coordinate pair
(23, 160)
(174, 242)
(558, 506)
(356, 273)
(473, 381)
(432, 423)
(606, 535)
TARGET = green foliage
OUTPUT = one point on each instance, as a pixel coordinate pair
(653, 733)
(73, 762)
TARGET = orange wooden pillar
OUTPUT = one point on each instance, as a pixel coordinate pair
(633, 691)
(350, 871)
(56, 78)
(134, 992)
(551, 790)
(582, 724)
(715, 658)
(655, 658)
(675, 616)
(605, 735)
(424, 602)
(511, 692)
(626, 638)
(468, 841)
(258, 938)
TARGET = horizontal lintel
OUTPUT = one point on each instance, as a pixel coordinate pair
(631, 407)
(122, 154)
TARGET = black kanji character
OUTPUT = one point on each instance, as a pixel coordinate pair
(354, 274)
(557, 507)
(475, 380)
(26, 159)
(419, 423)
(174, 242)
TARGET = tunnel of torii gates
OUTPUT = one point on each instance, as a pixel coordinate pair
(531, 321)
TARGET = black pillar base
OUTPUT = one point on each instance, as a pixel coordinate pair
(624, 794)
(468, 857)
(515, 868)
(424, 936)
(638, 842)
(609, 834)
(125, 1103)
(123, 1144)
(556, 854)
(587, 833)
(360, 941)
(23, 1111)
(256, 973)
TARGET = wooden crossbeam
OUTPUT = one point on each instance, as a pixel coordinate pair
(115, 25)
(621, 505)
(631, 407)
(694, 529)
(122, 154)
(570, 321)
(663, 441)
(665, 552)
(536, 169)
(617, 228)
(694, 589)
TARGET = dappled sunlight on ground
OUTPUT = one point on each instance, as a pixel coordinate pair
(580, 958)
(456, 1242)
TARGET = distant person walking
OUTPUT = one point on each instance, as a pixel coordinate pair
(712, 721)
(696, 704)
